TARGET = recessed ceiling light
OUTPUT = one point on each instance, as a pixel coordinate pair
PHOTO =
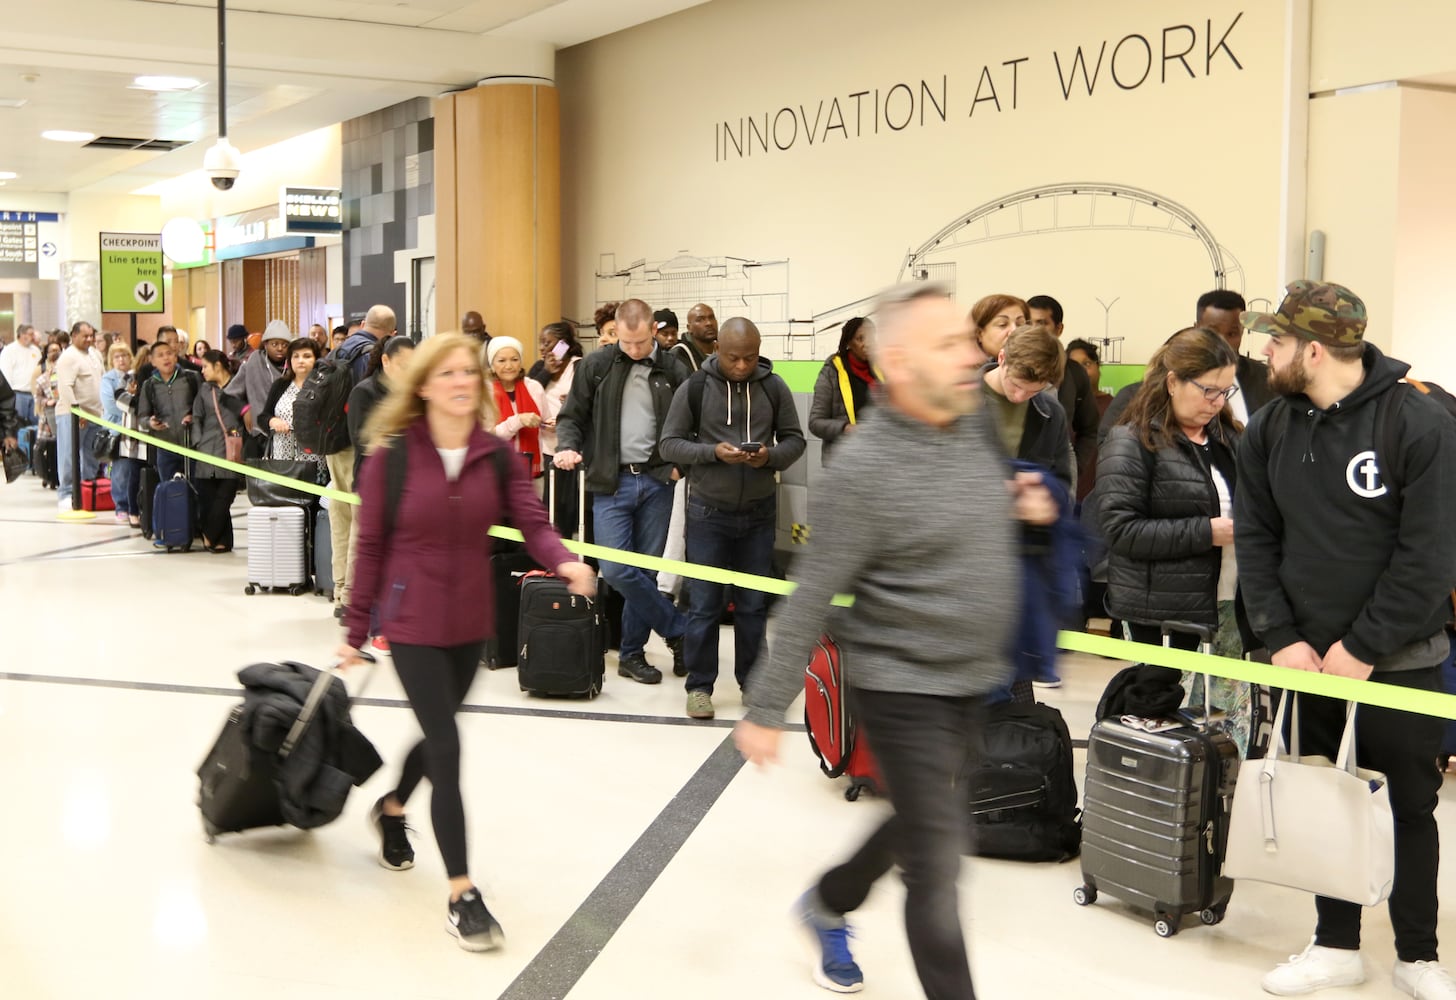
(8, 175)
(62, 135)
(165, 83)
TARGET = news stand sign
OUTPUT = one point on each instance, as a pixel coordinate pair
(131, 273)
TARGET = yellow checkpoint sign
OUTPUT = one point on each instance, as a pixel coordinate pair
(131, 273)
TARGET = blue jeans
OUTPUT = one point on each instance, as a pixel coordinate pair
(65, 424)
(635, 519)
(169, 463)
(25, 408)
(742, 541)
(123, 484)
(923, 745)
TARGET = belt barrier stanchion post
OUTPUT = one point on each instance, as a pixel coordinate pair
(75, 513)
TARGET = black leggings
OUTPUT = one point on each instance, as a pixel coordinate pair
(436, 682)
(214, 509)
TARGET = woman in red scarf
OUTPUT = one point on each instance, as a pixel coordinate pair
(519, 401)
(842, 393)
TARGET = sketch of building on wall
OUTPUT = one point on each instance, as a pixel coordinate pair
(732, 286)
(760, 290)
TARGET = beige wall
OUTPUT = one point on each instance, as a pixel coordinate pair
(1356, 42)
(640, 180)
(1425, 223)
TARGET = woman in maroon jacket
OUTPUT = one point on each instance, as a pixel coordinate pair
(428, 577)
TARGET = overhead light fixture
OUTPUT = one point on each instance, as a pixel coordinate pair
(8, 175)
(165, 84)
(62, 135)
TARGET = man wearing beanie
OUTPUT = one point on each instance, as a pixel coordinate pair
(237, 344)
(260, 371)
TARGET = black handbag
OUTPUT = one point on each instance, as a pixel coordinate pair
(15, 464)
(105, 446)
(262, 493)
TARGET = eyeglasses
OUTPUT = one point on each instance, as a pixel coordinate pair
(1212, 392)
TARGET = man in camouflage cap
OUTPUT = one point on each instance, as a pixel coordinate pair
(1346, 568)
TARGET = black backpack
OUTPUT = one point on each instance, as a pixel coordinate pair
(320, 421)
(1022, 793)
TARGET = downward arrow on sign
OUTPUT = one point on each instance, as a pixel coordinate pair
(146, 293)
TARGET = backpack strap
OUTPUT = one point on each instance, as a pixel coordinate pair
(844, 388)
(1387, 433)
(396, 457)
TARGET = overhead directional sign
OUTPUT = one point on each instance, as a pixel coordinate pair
(131, 273)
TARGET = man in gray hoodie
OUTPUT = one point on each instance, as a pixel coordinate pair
(935, 594)
(732, 426)
(258, 373)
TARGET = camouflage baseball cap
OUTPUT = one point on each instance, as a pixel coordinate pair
(1314, 310)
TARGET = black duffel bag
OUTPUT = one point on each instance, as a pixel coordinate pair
(262, 493)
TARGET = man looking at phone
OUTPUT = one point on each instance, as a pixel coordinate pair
(165, 407)
(731, 427)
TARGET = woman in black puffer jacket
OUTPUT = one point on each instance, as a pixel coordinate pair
(1165, 485)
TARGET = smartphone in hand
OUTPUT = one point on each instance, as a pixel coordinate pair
(750, 446)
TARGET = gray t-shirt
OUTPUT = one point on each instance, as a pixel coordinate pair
(639, 421)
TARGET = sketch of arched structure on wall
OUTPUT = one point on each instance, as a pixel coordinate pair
(760, 289)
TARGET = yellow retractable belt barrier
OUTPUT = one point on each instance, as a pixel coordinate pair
(1365, 692)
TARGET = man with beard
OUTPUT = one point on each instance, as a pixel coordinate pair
(935, 601)
(1346, 564)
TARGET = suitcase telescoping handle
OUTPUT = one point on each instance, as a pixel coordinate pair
(1205, 642)
(314, 699)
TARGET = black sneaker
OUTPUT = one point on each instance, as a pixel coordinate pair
(339, 612)
(679, 666)
(395, 852)
(637, 668)
(471, 922)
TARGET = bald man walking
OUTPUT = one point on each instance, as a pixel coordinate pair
(733, 426)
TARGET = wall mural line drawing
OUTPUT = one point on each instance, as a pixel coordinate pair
(760, 290)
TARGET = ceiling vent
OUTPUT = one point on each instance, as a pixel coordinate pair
(154, 145)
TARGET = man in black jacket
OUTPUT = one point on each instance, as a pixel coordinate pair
(1074, 392)
(614, 413)
(1347, 562)
(1219, 311)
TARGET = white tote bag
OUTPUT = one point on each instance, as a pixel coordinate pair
(1310, 824)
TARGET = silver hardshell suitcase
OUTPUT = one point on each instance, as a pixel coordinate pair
(277, 549)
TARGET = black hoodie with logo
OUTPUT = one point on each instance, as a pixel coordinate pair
(1327, 550)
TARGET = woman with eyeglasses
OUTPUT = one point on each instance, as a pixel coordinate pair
(1165, 485)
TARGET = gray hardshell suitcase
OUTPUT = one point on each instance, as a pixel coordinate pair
(1155, 818)
(277, 549)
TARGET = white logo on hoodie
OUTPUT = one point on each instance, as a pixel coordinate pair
(1364, 477)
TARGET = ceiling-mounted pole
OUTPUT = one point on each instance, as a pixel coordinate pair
(222, 69)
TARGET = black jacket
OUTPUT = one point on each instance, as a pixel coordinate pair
(1079, 403)
(1044, 438)
(362, 401)
(330, 756)
(1155, 510)
(759, 409)
(828, 415)
(1327, 552)
(9, 418)
(1253, 377)
(590, 420)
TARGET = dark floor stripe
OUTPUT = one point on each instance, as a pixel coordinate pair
(70, 548)
(559, 966)
(507, 710)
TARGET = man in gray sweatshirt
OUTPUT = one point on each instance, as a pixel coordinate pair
(731, 427)
(935, 594)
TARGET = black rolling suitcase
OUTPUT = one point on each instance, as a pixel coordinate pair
(560, 636)
(1155, 815)
(508, 565)
(45, 463)
(238, 787)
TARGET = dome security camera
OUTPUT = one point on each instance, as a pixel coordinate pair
(223, 163)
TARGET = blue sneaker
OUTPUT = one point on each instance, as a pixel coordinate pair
(835, 968)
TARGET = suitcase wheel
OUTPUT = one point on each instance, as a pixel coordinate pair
(852, 793)
(250, 590)
(1165, 926)
(210, 831)
(1212, 915)
(297, 589)
(1084, 895)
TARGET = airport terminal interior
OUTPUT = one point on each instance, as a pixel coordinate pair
(528, 162)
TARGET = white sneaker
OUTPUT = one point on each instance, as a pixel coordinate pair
(1315, 968)
(1425, 981)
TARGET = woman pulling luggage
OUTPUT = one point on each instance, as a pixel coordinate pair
(430, 489)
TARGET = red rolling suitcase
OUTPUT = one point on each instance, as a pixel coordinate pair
(832, 732)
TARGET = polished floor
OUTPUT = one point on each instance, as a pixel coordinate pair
(624, 849)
